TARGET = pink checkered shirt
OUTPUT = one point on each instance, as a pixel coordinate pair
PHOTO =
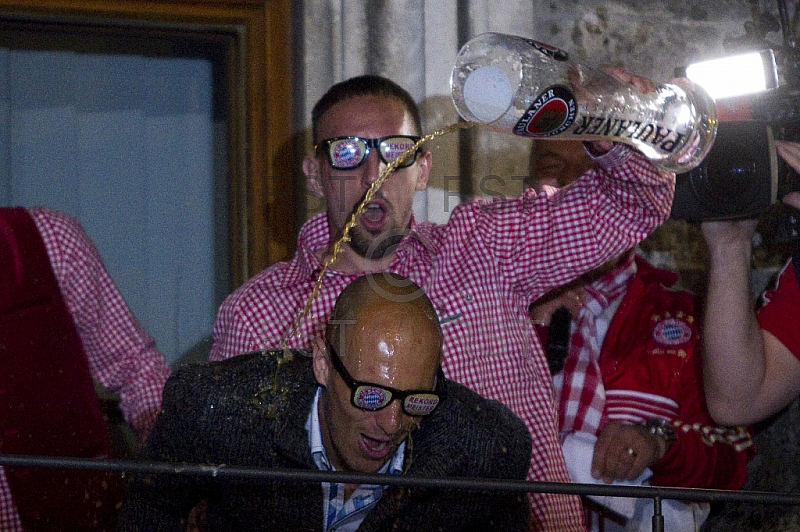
(122, 356)
(481, 271)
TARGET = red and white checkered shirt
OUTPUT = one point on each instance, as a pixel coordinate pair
(122, 356)
(481, 271)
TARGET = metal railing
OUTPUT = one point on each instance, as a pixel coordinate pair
(217, 472)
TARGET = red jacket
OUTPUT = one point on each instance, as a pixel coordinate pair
(48, 403)
(651, 367)
(651, 353)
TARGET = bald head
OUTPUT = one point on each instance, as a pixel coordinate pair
(387, 296)
(383, 335)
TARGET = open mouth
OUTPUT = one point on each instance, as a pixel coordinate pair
(375, 449)
(373, 217)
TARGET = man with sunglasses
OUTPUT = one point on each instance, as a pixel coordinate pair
(371, 399)
(481, 270)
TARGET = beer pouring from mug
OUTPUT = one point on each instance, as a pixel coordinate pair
(516, 85)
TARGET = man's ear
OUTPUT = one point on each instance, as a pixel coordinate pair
(313, 180)
(424, 161)
(320, 362)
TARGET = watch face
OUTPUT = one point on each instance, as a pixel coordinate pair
(663, 429)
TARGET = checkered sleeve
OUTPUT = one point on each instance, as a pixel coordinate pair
(233, 332)
(545, 240)
(122, 356)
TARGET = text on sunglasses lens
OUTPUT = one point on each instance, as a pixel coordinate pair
(393, 148)
(420, 404)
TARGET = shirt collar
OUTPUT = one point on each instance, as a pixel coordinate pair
(320, 457)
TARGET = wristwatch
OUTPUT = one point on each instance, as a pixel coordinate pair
(663, 429)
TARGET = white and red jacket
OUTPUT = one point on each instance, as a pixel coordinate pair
(651, 366)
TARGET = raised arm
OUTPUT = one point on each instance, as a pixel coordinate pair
(562, 235)
(749, 374)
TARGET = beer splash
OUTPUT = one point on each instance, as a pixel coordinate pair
(271, 397)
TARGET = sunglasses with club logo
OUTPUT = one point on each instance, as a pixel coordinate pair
(347, 153)
(372, 397)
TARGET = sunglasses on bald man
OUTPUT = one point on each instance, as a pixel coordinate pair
(373, 397)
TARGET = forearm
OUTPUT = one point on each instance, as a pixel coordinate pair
(632, 199)
(121, 355)
(605, 213)
(704, 454)
(734, 363)
(140, 394)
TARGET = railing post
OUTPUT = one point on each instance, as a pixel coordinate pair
(658, 517)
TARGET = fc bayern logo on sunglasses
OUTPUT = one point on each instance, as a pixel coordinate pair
(371, 398)
(346, 153)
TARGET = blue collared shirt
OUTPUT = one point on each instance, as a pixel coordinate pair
(340, 515)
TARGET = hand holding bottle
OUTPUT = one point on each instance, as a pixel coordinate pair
(520, 86)
(641, 84)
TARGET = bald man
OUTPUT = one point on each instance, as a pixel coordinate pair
(371, 398)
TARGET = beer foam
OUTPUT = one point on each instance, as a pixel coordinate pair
(488, 93)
